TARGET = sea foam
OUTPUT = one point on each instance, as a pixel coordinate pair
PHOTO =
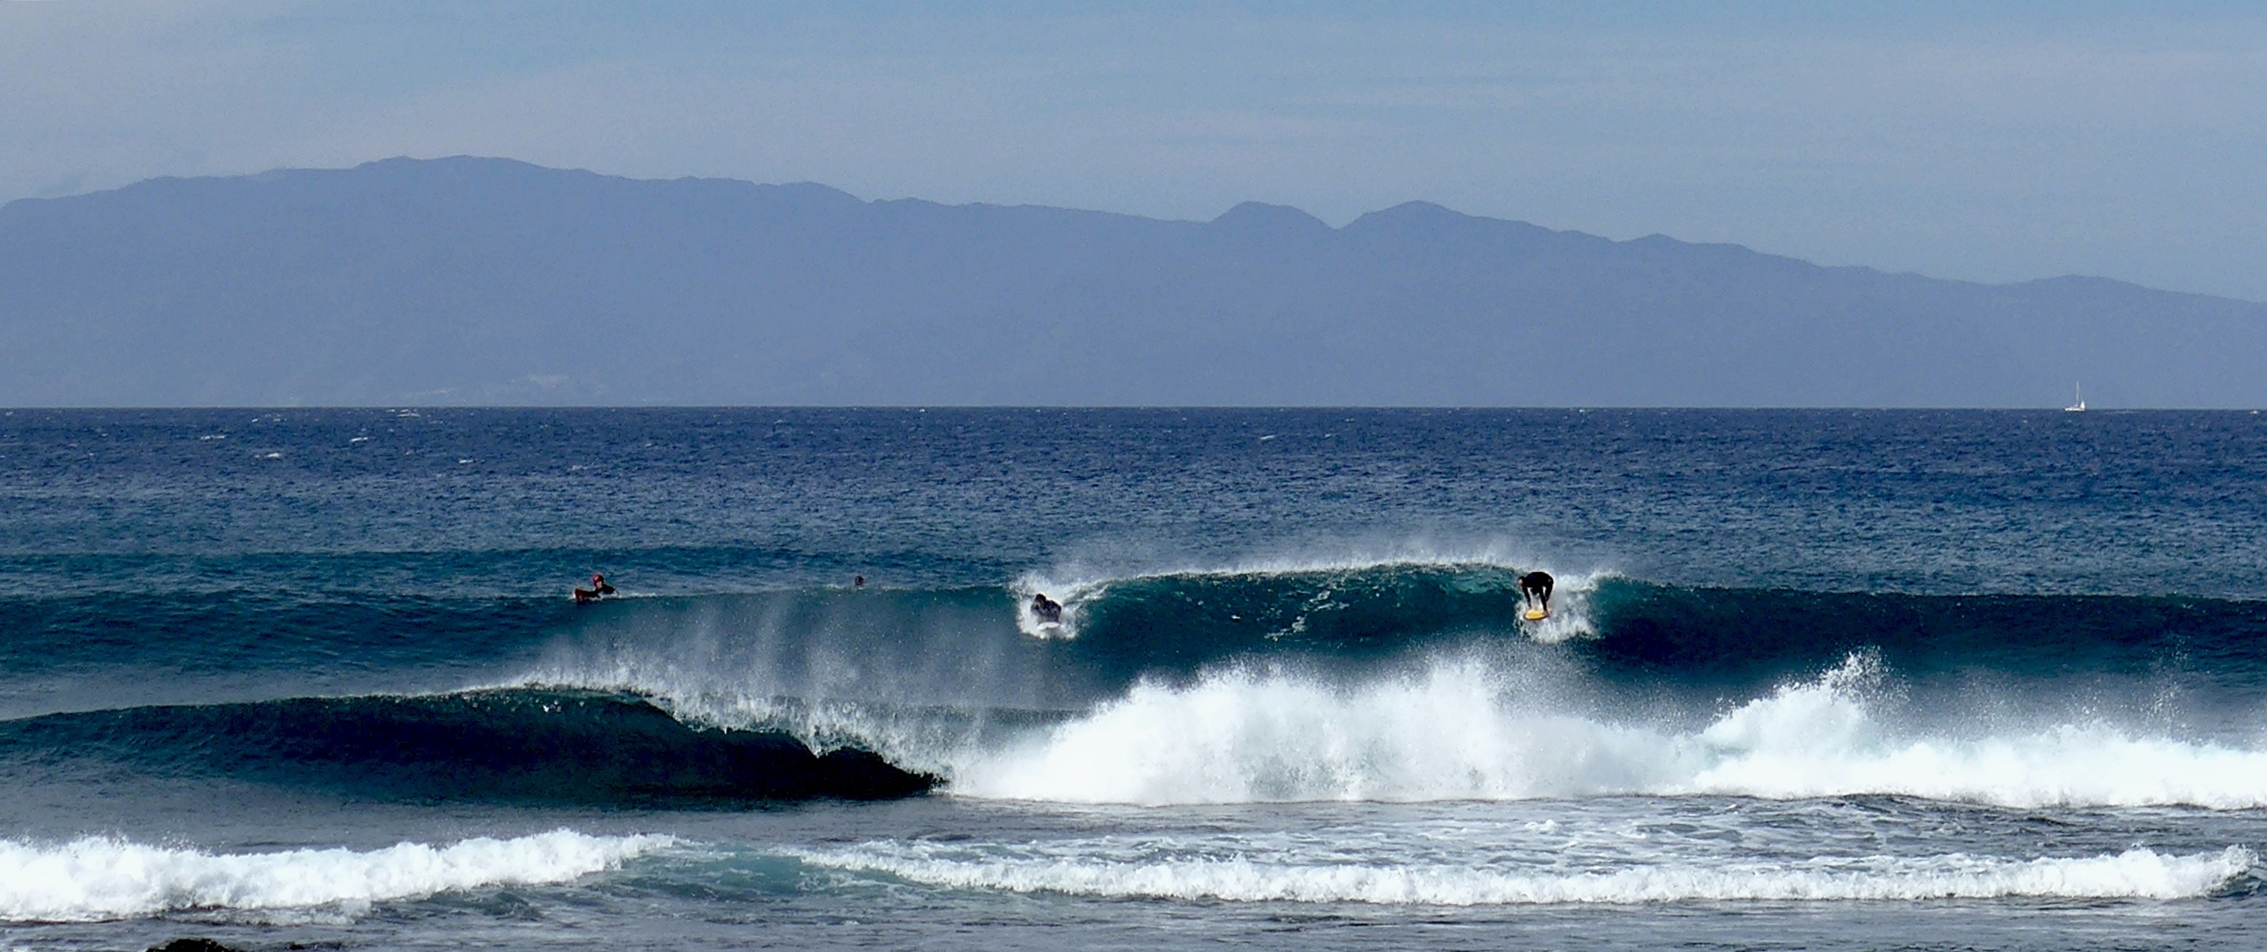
(1071, 869)
(97, 878)
(1450, 732)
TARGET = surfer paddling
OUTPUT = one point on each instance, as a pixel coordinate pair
(1535, 590)
(1047, 610)
(598, 587)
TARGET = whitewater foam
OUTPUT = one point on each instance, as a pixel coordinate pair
(96, 878)
(1085, 869)
(1462, 730)
(1243, 736)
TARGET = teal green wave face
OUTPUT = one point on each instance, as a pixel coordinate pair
(1822, 679)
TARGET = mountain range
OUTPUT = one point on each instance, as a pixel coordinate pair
(490, 281)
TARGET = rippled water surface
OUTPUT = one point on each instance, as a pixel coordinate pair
(1818, 679)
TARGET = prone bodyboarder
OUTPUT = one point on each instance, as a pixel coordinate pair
(598, 587)
(1047, 610)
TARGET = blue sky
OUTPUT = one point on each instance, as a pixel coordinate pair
(1994, 142)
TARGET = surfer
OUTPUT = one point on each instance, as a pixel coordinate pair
(1047, 610)
(858, 581)
(598, 587)
(1535, 589)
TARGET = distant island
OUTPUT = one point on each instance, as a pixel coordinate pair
(488, 281)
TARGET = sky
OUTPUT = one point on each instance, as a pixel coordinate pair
(1994, 142)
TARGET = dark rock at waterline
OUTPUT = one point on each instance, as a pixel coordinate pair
(194, 945)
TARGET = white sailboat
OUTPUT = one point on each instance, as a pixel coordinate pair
(2080, 406)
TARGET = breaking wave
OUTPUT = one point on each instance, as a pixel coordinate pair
(1411, 680)
(1106, 870)
(1416, 681)
(98, 878)
(1460, 731)
(527, 745)
(931, 646)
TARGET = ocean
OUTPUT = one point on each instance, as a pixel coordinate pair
(311, 678)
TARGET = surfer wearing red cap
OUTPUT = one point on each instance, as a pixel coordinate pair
(598, 587)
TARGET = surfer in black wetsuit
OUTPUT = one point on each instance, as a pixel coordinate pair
(1047, 610)
(598, 587)
(1535, 588)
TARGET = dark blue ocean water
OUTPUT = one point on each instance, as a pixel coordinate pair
(1813, 679)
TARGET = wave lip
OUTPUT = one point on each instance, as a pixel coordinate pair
(1325, 601)
(2134, 874)
(96, 878)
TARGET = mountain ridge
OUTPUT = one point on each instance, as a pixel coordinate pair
(483, 281)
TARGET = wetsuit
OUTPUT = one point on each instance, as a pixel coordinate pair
(1536, 586)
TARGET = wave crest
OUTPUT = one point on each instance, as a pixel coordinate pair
(1077, 869)
(530, 744)
(98, 878)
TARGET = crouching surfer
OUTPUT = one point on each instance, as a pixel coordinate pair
(1535, 590)
(598, 587)
(1047, 610)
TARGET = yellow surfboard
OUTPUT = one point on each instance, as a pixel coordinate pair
(1537, 614)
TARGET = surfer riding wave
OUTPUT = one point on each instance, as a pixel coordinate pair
(1535, 590)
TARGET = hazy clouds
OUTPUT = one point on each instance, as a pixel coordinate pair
(2034, 140)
